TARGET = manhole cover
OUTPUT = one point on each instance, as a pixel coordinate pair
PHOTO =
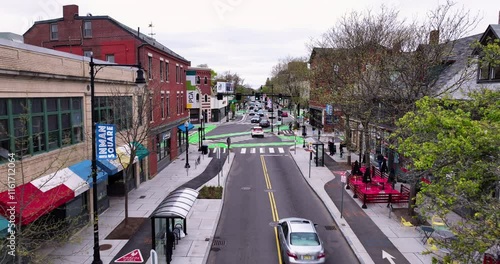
(218, 242)
(105, 247)
(246, 188)
(142, 196)
(330, 228)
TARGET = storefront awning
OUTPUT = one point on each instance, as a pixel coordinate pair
(183, 127)
(31, 202)
(140, 150)
(111, 167)
(177, 204)
(84, 171)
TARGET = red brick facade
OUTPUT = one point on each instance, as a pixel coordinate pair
(110, 40)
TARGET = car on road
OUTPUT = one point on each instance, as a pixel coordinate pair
(261, 113)
(255, 119)
(299, 241)
(251, 113)
(284, 114)
(257, 132)
(264, 123)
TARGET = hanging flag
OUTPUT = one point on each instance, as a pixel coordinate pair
(105, 141)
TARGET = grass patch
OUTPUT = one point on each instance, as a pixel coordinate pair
(210, 192)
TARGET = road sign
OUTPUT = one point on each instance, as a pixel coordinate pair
(133, 256)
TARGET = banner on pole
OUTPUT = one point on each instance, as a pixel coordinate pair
(105, 141)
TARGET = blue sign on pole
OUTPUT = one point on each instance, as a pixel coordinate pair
(105, 141)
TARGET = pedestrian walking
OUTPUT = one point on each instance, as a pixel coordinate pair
(330, 147)
(169, 246)
(290, 126)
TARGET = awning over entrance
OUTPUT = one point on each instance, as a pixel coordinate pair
(177, 204)
(112, 167)
(84, 171)
(31, 202)
(183, 127)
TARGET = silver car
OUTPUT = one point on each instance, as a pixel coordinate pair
(299, 241)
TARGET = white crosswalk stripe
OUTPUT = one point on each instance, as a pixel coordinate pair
(259, 150)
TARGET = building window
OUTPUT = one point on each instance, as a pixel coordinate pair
(161, 71)
(177, 73)
(114, 110)
(53, 32)
(181, 80)
(150, 67)
(167, 73)
(87, 29)
(487, 72)
(110, 58)
(177, 104)
(162, 106)
(167, 104)
(39, 124)
(206, 80)
(206, 98)
(198, 80)
(140, 109)
(87, 53)
(151, 112)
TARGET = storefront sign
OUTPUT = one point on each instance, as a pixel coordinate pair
(105, 141)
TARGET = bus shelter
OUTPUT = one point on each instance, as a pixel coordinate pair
(171, 214)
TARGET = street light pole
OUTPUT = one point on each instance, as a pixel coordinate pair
(186, 125)
(139, 81)
(272, 107)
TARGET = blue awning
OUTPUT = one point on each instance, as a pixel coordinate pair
(183, 127)
(83, 169)
(108, 167)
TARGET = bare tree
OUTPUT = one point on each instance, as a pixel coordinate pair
(375, 66)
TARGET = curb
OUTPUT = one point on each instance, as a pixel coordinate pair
(207, 251)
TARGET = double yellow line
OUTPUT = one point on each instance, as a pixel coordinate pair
(272, 201)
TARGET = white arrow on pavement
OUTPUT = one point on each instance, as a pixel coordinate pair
(388, 256)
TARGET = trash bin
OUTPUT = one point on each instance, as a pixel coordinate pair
(204, 149)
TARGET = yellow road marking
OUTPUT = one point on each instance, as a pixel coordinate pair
(272, 202)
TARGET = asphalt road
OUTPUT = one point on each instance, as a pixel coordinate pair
(260, 190)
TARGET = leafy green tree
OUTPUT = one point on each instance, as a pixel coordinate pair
(456, 144)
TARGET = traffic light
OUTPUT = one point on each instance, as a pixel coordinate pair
(220, 96)
(238, 96)
(257, 96)
(280, 96)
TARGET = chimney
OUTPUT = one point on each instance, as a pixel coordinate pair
(434, 37)
(70, 12)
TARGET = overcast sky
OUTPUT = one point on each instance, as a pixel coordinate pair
(248, 37)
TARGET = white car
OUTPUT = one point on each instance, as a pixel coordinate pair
(299, 241)
(257, 132)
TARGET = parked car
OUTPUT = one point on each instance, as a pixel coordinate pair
(284, 114)
(255, 119)
(264, 123)
(257, 132)
(299, 241)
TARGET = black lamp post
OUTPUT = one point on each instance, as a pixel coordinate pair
(140, 81)
(187, 166)
(272, 107)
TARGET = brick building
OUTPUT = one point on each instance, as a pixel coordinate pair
(199, 88)
(109, 40)
(45, 125)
